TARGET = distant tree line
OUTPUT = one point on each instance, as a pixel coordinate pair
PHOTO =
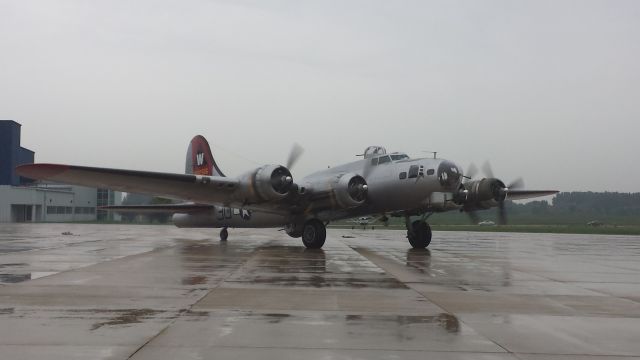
(572, 208)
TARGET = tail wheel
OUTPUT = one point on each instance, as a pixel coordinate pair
(314, 234)
(224, 234)
(420, 234)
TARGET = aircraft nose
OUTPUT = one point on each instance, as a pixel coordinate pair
(449, 175)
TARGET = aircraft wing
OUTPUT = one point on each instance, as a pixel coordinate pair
(528, 194)
(196, 188)
(160, 208)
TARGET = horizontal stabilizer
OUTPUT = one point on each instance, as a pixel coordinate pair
(160, 208)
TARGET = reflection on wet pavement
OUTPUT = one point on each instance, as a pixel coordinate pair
(156, 292)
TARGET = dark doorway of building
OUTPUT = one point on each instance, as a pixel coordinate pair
(21, 213)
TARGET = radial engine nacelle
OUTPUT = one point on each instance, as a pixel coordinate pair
(266, 183)
(343, 191)
(481, 194)
(350, 190)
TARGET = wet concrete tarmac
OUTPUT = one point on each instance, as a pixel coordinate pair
(158, 292)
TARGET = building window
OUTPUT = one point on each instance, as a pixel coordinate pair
(85, 210)
(103, 197)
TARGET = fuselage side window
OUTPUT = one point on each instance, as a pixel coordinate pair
(413, 171)
(374, 161)
(431, 172)
(403, 175)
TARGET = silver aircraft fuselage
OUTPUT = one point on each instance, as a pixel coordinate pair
(414, 186)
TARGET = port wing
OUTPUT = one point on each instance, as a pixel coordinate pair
(196, 188)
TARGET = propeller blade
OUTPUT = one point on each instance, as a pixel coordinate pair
(472, 171)
(367, 168)
(502, 214)
(516, 184)
(474, 217)
(486, 169)
(294, 155)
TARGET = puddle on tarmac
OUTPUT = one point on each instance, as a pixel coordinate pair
(448, 322)
(6, 311)
(2, 266)
(406, 324)
(126, 317)
(276, 318)
(419, 259)
(18, 278)
(12, 249)
(194, 280)
(14, 278)
(317, 281)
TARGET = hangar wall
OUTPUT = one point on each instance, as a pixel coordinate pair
(22, 200)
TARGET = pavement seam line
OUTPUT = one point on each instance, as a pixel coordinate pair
(181, 311)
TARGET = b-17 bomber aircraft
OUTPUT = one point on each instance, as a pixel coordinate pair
(380, 184)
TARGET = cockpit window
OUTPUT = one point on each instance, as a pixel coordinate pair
(383, 159)
(395, 157)
(374, 161)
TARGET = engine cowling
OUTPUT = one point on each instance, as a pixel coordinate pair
(350, 190)
(272, 182)
(480, 194)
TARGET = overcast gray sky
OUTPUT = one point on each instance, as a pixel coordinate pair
(546, 90)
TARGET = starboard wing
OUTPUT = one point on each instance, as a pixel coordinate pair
(528, 194)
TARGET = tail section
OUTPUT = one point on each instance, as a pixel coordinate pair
(199, 158)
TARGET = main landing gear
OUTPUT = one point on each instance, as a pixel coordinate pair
(313, 232)
(418, 233)
(224, 234)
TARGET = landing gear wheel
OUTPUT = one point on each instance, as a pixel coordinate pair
(314, 234)
(224, 234)
(420, 234)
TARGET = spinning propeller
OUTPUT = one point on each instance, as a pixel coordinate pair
(294, 154)
(489, 192)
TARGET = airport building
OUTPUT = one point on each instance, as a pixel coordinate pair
(22, 200)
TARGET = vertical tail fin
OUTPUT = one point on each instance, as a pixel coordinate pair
(199, 158)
